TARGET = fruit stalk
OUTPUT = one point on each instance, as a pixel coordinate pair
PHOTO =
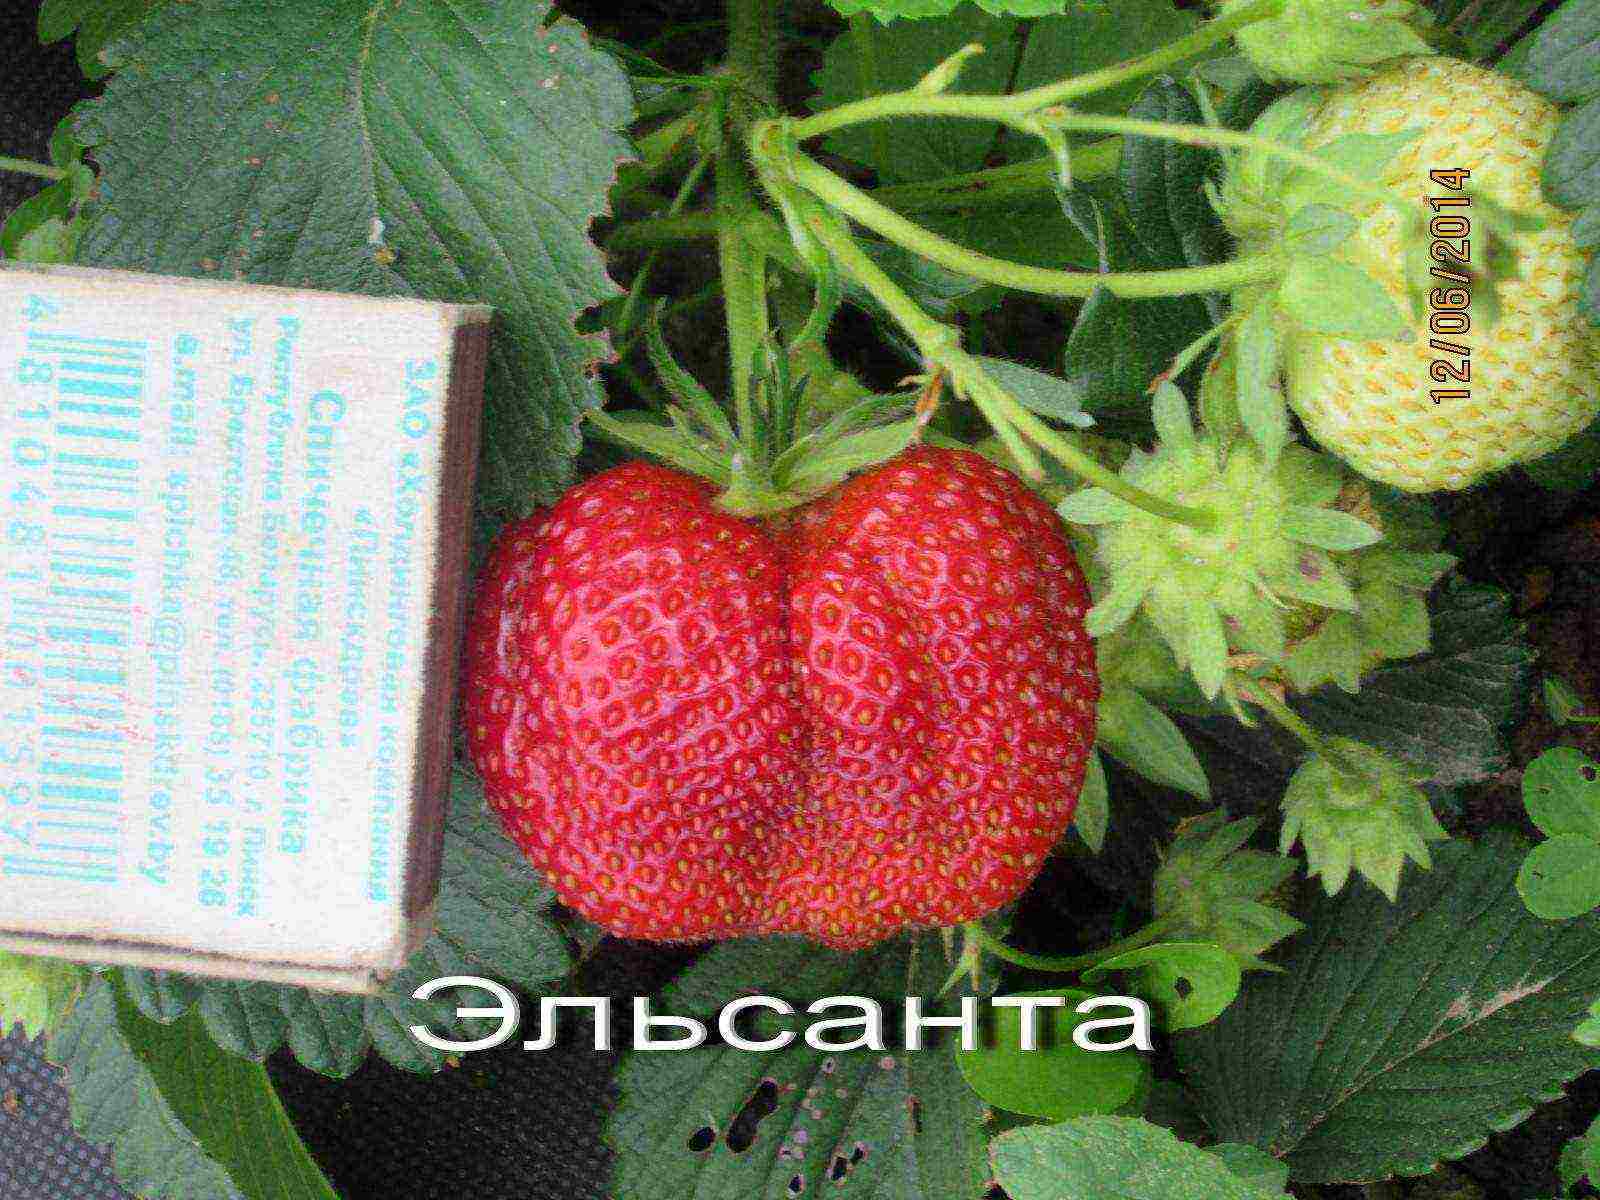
(1152, 932)
(940, 348)
(1018, 106)
(864, 209)
(23, 166)
(1254, 692)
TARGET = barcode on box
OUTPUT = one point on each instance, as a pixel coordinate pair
(76, 475)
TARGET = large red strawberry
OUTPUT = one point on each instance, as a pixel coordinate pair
(874, 715)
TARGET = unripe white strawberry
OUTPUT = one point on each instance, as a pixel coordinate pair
(1535, 372)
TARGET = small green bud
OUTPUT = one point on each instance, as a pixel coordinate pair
(1214, 890)
(1364, 811)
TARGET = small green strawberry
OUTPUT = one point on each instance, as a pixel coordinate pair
(1224, 587)
(1210, 888)
(1357, 807)
(1513, 370)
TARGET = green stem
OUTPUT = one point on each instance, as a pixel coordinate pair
(1152, 932)
(1262, 697)
(753, 45)
(744, 293)
(862, 208)
(939, 346)
(23, 166)
(663, 231)
(1015, 108)
(999, 185)
(630, 306)
(1206, 135)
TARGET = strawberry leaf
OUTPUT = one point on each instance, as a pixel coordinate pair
(185, 1121)
(1400, 1035)
(452, 151)
(493, 919)
(96, 23)
(1093, 1158)
(718, 1121)
(1562, 60)
(1119, 346)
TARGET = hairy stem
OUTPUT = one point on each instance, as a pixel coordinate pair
(864, 209)
(1152, 932)
(940, 348)
(23, 166)
(1206, 135)
(1254, 692)
(1018, 106)
(997, 185)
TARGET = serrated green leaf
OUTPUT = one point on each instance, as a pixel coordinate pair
(492, 919)
(1562, 59)
(1143, 738)
(930, 1150)
(1561, 791)
(1560, 878)
(1400, 1035)
(96, 23)
(1446, 712)
(1572, 162)
(185, 1120)
(1057, 1079)
(1324, 295)
(1096, 1158)
(1119, 346)
(456, 152)
(1161, 184)
(1193, 982)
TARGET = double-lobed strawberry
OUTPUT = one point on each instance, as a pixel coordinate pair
(869, 714)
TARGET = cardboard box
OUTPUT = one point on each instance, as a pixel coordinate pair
(233, 530)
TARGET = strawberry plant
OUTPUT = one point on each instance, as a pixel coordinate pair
(992, 502)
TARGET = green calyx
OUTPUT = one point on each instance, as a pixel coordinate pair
(1210, 888)
(36, 993)
(1326, 41)
(1226, 587)
(1363, 811)
(1305, 219)
(1391, 580)
(794, 441)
